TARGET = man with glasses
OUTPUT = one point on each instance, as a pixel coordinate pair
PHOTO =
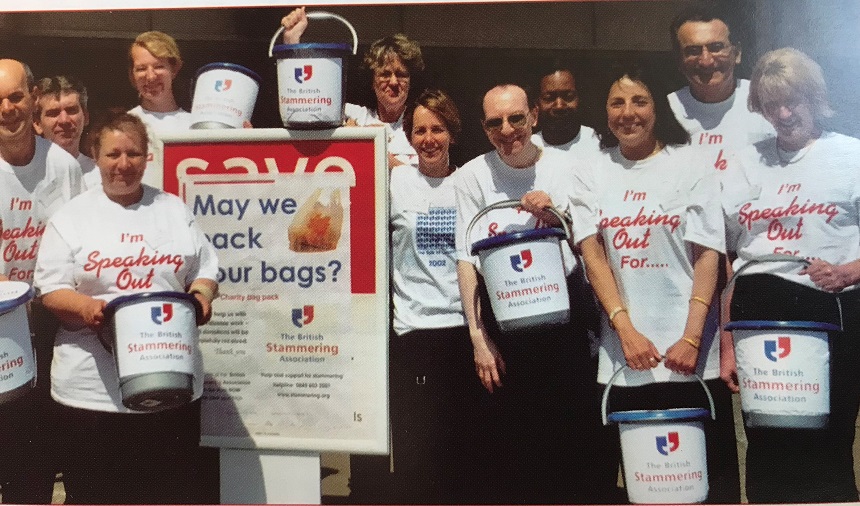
(713, 107)
(538, 389)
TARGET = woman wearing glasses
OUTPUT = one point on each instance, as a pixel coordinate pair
(647, 217)
(393, 61)
(799, 194)
(538, 381)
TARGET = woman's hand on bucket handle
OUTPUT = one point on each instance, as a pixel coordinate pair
(92, 312)
(832, 278)
(640, 352)
(681, 357)
(489, 364)
(295, 23)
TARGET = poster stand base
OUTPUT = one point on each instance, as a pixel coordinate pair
(269, 477)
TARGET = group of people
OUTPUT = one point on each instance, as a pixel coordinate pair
(67, 204)
(658, 195)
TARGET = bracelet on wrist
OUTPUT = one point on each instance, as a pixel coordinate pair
(691, 342)
(702, 300)
(614, 313)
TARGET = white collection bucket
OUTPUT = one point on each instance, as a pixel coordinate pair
(312, 79)
(783, 366)
(153, 338)
(663, 451)
(524, 274)
(783, 372)
(17, 359)
(224, 96)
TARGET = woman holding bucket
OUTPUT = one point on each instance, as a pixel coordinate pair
(394, 61)
(798, 194)
(429, 350)
(647, 217)
(145, 241)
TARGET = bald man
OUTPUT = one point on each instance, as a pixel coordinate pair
(538, 383)
(36, 178)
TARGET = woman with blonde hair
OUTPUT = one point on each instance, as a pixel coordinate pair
(798, 194)
(154, 63)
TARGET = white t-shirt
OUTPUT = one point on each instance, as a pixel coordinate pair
(805, 203)
(586, 143)
(92, 175)
(649, 213)
(398, 143)
(424, 260)
(73, 255)
(157, 124)
(487, 180)
(29, 195)
(720, 130)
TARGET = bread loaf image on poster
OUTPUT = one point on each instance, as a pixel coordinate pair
(316, 226)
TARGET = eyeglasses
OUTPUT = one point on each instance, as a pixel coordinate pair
(716, 49)
(516, 121)
(386, 75)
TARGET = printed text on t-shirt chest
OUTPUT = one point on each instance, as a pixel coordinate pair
(780, 218)
(632, 232)
(20, 243)
(708, 139)
(493, 228)
(131, 276)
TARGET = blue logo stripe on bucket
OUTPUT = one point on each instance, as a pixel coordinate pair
(230, 66)
(113, 305)
(505, 239)
(290, 49)
(658, 415)
(780, 325)
(25, 292)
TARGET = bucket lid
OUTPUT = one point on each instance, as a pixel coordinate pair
(288, 49)
(640, 416)
(13, 294)
(115, 304)
(522, 235)
(780, 325)
(229, 66)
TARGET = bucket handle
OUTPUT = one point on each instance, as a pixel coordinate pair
(320, 15)
(605, 400)
(773, 257)
(505, 204)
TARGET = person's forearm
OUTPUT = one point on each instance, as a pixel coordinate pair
(705, 264)
(67, 305)
(467, 279)
(603, 281)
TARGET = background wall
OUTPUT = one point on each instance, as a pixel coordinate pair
(467, 47)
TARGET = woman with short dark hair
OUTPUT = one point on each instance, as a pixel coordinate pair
(647, 217)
